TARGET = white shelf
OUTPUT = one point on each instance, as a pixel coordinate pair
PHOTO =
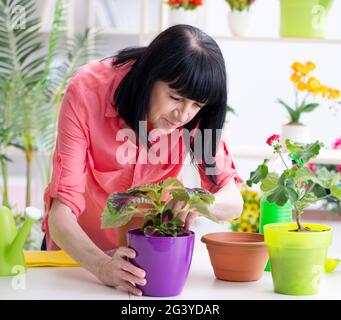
(277, 40)
(326, 156)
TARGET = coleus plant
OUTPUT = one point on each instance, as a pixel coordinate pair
(156, 202)
(297, 184)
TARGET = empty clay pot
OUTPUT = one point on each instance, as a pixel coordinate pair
(122, 232)
(237, 256)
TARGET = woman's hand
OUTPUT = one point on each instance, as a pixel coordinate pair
(187, 216)
(117, 271)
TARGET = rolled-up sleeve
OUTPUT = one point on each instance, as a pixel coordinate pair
(69, 160)
(225, 170)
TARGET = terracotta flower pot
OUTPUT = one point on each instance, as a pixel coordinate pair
(122, 232)
(237, 256)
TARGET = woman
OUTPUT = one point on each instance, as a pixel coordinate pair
(176, 83)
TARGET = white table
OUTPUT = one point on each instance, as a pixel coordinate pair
(77, 283)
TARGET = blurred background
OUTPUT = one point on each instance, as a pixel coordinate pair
(260, 40)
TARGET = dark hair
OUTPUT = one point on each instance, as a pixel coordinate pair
(191, 62)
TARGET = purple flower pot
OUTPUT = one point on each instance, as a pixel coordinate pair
(166, 261)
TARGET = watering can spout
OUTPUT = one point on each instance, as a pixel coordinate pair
(12, 241)
(32, 215)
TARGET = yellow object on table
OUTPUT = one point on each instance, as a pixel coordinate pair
(49, 259)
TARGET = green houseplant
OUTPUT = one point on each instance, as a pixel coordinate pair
(31, 86)
(297, 250)
(163, 246)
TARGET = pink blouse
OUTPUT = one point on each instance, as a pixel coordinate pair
(85, 167)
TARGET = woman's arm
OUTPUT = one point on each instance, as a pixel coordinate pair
(113, 271)
(228, 202)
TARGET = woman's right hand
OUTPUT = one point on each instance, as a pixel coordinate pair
(117, 271)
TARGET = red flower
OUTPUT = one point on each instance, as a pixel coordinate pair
(311, 167)
(337, 144)
(273, 138)
(338, 168)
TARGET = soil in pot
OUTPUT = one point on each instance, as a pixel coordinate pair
(236, 256)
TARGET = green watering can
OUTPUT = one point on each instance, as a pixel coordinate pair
(304, 18)
(12, 260)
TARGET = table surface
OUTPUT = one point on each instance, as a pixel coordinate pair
(77, 283)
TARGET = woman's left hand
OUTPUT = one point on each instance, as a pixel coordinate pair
(187, 216)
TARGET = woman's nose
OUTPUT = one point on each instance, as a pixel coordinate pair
(184, 112)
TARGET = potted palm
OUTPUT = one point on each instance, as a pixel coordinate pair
(308, 90)
(240, 16)
(163, 246)
(297, 250)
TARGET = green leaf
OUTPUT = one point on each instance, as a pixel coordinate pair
(279, 196)
(327, 179)
(305, 202)
(303, 152)
(259, 174)
(294, 114)
(270, 182)
(336, 192)
(309, 107)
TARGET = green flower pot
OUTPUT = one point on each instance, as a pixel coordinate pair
(304, 18)
(272, 213)
(297, 258)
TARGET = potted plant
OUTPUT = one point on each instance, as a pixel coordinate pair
(307, 91)
(240, 16)
(304, 18)
(183, 11)
(297, 250)
(163, 246)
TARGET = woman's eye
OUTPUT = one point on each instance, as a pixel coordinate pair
(175, 98)
(198, 105)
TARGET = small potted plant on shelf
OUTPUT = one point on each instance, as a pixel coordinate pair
(183, 11)
(308, 90)
(297, 250)
(163, 246)
(240, 16)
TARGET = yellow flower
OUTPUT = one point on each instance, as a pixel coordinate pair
(324, 91)
(244, 227)
(297, 67)
(313, 85)
(334, 94)
(301, 86)
(310, 66)
(295, 77)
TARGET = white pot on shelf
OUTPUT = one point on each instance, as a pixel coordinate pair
(296, 133)
(240, 22)
(182, 16)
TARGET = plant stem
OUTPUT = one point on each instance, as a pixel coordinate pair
(5, 200)
(29, 157)
(298, 219)
(280, 154)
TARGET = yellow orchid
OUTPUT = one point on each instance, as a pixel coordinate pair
(310, 66)
(295, 77)
(311, 86)
(301, 86)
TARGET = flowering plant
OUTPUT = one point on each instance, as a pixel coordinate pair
(185, 4)
(156, 202)
(297, 183)
(240, 5)
(332, 204)
(249, 219)
(310, 87)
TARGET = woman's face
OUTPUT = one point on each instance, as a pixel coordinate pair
(168, 110)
